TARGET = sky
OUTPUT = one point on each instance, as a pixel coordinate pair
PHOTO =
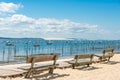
(83, 19)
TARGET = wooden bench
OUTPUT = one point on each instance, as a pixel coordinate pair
(80, 60)
(106, 55)
(35, 68)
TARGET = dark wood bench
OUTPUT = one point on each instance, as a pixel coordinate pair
(80, 60)
(106, 55)
(35, 68)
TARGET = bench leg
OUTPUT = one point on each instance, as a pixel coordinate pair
(73, 66)
(30, 71)
(88, 65)
(51, 70)
(108, 59)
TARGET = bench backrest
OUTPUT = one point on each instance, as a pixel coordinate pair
(84, 56)
(42, 58)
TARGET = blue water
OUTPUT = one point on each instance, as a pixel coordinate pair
(16, 49)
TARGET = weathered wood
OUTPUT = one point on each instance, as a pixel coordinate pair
(108, 50)
(41, 58)
(83, 56)
(80, 60)
(106, 55)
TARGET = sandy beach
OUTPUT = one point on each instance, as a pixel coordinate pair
(59, 39)
(97, 71)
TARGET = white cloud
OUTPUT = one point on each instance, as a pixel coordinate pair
(9, 7)
(22, 26)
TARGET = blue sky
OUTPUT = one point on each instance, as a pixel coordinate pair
(86, 19)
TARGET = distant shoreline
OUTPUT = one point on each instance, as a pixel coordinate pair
(54, 38)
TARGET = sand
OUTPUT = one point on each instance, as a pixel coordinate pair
(97, 71)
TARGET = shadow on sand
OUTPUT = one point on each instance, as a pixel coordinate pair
(111, 62)
(48, 76)
(88, 68)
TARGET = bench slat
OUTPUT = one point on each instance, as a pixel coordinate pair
(41, 58)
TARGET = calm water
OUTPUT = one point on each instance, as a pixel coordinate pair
(16, 50)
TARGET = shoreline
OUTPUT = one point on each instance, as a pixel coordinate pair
(61, 58)
(99, 71)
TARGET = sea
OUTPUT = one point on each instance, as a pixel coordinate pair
(17, 49)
